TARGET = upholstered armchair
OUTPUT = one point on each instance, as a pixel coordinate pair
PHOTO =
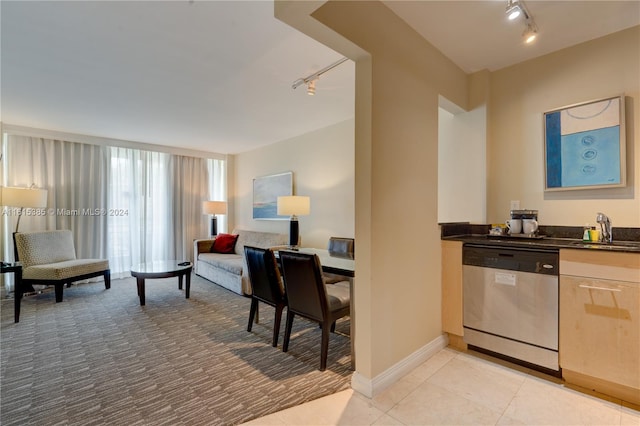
(49, 258)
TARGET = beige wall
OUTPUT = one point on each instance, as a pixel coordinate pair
(397, 291)
(322, 166)
(520, 94)
(462, 146)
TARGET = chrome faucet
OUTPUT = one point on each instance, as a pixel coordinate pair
(605, 225)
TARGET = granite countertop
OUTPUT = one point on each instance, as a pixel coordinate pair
(549, 237)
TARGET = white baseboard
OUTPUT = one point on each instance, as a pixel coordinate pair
(371, 387)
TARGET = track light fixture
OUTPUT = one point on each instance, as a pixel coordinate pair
(310, 80)
(516, 8)
(513, 9)
(530, 33)
(311, 88)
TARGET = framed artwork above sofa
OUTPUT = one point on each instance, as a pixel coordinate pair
(266, 190)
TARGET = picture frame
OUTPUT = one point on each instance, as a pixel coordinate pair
(266, 190)
(585, 145)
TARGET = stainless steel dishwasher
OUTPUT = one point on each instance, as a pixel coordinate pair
(511, 303)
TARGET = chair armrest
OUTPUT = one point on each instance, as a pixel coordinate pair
(202, 246)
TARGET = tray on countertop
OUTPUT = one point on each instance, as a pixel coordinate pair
(518, 236)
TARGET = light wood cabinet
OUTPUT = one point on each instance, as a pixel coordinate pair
(600, 321)
(452, 287)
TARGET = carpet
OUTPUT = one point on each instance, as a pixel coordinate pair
(101, 358)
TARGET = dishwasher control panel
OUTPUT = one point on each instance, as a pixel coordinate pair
(538, 261)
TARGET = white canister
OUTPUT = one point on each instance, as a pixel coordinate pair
(529, 226)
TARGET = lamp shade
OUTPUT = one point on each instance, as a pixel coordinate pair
(294, 205)
(214, 207)
(23, 197)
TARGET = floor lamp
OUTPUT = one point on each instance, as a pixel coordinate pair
(22, 198)
(294, 205)
(213, 208)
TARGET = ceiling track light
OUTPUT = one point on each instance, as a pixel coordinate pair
(513, 9)
(310, 80)
(311, 88)
(516, 8)
(530, 33)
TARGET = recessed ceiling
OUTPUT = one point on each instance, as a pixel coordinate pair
(217, 75)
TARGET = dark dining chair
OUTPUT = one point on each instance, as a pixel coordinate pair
(342, 247)
(266, 284)
(308, 297)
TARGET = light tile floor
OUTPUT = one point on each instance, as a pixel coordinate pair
(458, 388)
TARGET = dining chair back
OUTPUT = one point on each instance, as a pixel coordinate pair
(342, 246)
(308, 297)
(266, 284)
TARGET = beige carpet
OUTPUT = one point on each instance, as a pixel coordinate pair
(100, 358)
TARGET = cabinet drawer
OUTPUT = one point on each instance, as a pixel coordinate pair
(599, 264)
(600, 329)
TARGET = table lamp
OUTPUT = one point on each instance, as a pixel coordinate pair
(294, 205)
(213, 208)
(23, 198)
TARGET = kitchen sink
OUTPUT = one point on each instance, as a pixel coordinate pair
(605, 245)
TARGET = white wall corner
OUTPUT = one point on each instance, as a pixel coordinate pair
(371, 387)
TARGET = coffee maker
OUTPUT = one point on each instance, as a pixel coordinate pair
(524, 214)
(531, 216)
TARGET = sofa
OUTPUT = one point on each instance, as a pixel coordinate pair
(229, 270)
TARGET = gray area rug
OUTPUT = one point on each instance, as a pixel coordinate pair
(101, 358)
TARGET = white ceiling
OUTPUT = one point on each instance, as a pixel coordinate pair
(217, 75)
(214, 76)
(476, 34)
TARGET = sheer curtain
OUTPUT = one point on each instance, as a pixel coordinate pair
(138, 198)
(189, 181)
(218, 192)
(127, 205)
(156, 199)
(74, 176)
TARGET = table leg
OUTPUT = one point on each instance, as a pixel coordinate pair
(188, 275)
(18, 295)
(180, 282)
(140, 282)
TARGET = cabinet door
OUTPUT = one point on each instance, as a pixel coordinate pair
(600, 329)
(452, 287)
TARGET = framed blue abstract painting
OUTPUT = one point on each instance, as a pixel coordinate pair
(266, 191)
(585, 145)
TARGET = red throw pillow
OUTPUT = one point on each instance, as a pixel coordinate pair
(224, 243)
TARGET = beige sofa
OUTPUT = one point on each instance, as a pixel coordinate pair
(230, 270)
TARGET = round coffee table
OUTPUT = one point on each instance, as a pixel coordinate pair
(162, 269)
